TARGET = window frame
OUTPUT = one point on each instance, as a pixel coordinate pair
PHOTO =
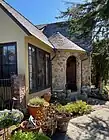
(2, 45)
(38, 88)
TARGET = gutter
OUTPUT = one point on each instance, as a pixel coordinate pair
(55, 50)
(51, 66)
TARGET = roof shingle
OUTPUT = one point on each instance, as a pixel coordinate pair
(61, 42)
(63, 28)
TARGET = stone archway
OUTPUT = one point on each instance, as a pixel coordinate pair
(71, 73)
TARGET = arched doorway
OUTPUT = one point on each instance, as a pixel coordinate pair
(71, 73)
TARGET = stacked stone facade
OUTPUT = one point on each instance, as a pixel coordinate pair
(59, 64)
(86, 72)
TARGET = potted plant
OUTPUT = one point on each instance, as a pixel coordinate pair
(26, 127)
(9, 118)
(63, 117)
(30, 125)
(36, 107)
(47, 96)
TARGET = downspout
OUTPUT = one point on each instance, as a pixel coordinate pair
(55, 50)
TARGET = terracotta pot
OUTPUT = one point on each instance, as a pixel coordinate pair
(35, 111)
(47, 96)
(24, 128)
(38, 112)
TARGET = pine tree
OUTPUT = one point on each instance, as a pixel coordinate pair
(92, 19)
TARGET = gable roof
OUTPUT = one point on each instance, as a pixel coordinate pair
(53, 28)
(24, 23)
(61, 42)
(62, 27)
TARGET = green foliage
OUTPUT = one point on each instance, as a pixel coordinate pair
(8, 118)
(90, 21)
(100, 60)
(28, 136)
(84, 18)
(36, 101)
(105, 90)
(77, 108)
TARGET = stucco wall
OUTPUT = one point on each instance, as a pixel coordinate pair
(59, 69)
(11, 32)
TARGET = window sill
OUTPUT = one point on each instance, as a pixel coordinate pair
(39, 93)
(39, 90)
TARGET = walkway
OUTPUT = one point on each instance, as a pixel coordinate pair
(88, 127)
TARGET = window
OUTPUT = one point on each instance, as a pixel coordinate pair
(39, 69)
(8, 60)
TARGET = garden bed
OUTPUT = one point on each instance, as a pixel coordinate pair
(55, 115)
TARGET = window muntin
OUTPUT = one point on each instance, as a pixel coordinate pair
(39, 69)
(8, 60)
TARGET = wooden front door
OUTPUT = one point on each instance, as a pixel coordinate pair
(71, 73)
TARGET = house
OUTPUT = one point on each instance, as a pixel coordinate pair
(36, 62)
(71, 65)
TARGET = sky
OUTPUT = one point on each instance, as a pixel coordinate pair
(41, 11)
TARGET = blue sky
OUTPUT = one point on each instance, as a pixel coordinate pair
(40, 11)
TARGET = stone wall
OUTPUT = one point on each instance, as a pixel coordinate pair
(59, 69)
(86, 69)
(86, 77)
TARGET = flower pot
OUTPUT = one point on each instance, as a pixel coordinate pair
(62, 123)
(47, 96)
(24, 127)
(38, 112)
(49, 126)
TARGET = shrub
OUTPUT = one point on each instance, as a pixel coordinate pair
(36, 102)
(10, 117)
(105, 90)
(77, 108)
(28, 136)
(81, 108)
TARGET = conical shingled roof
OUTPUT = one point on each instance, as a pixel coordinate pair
(61, 42)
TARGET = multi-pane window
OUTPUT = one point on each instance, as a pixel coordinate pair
(39, 69)
(8, 60)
